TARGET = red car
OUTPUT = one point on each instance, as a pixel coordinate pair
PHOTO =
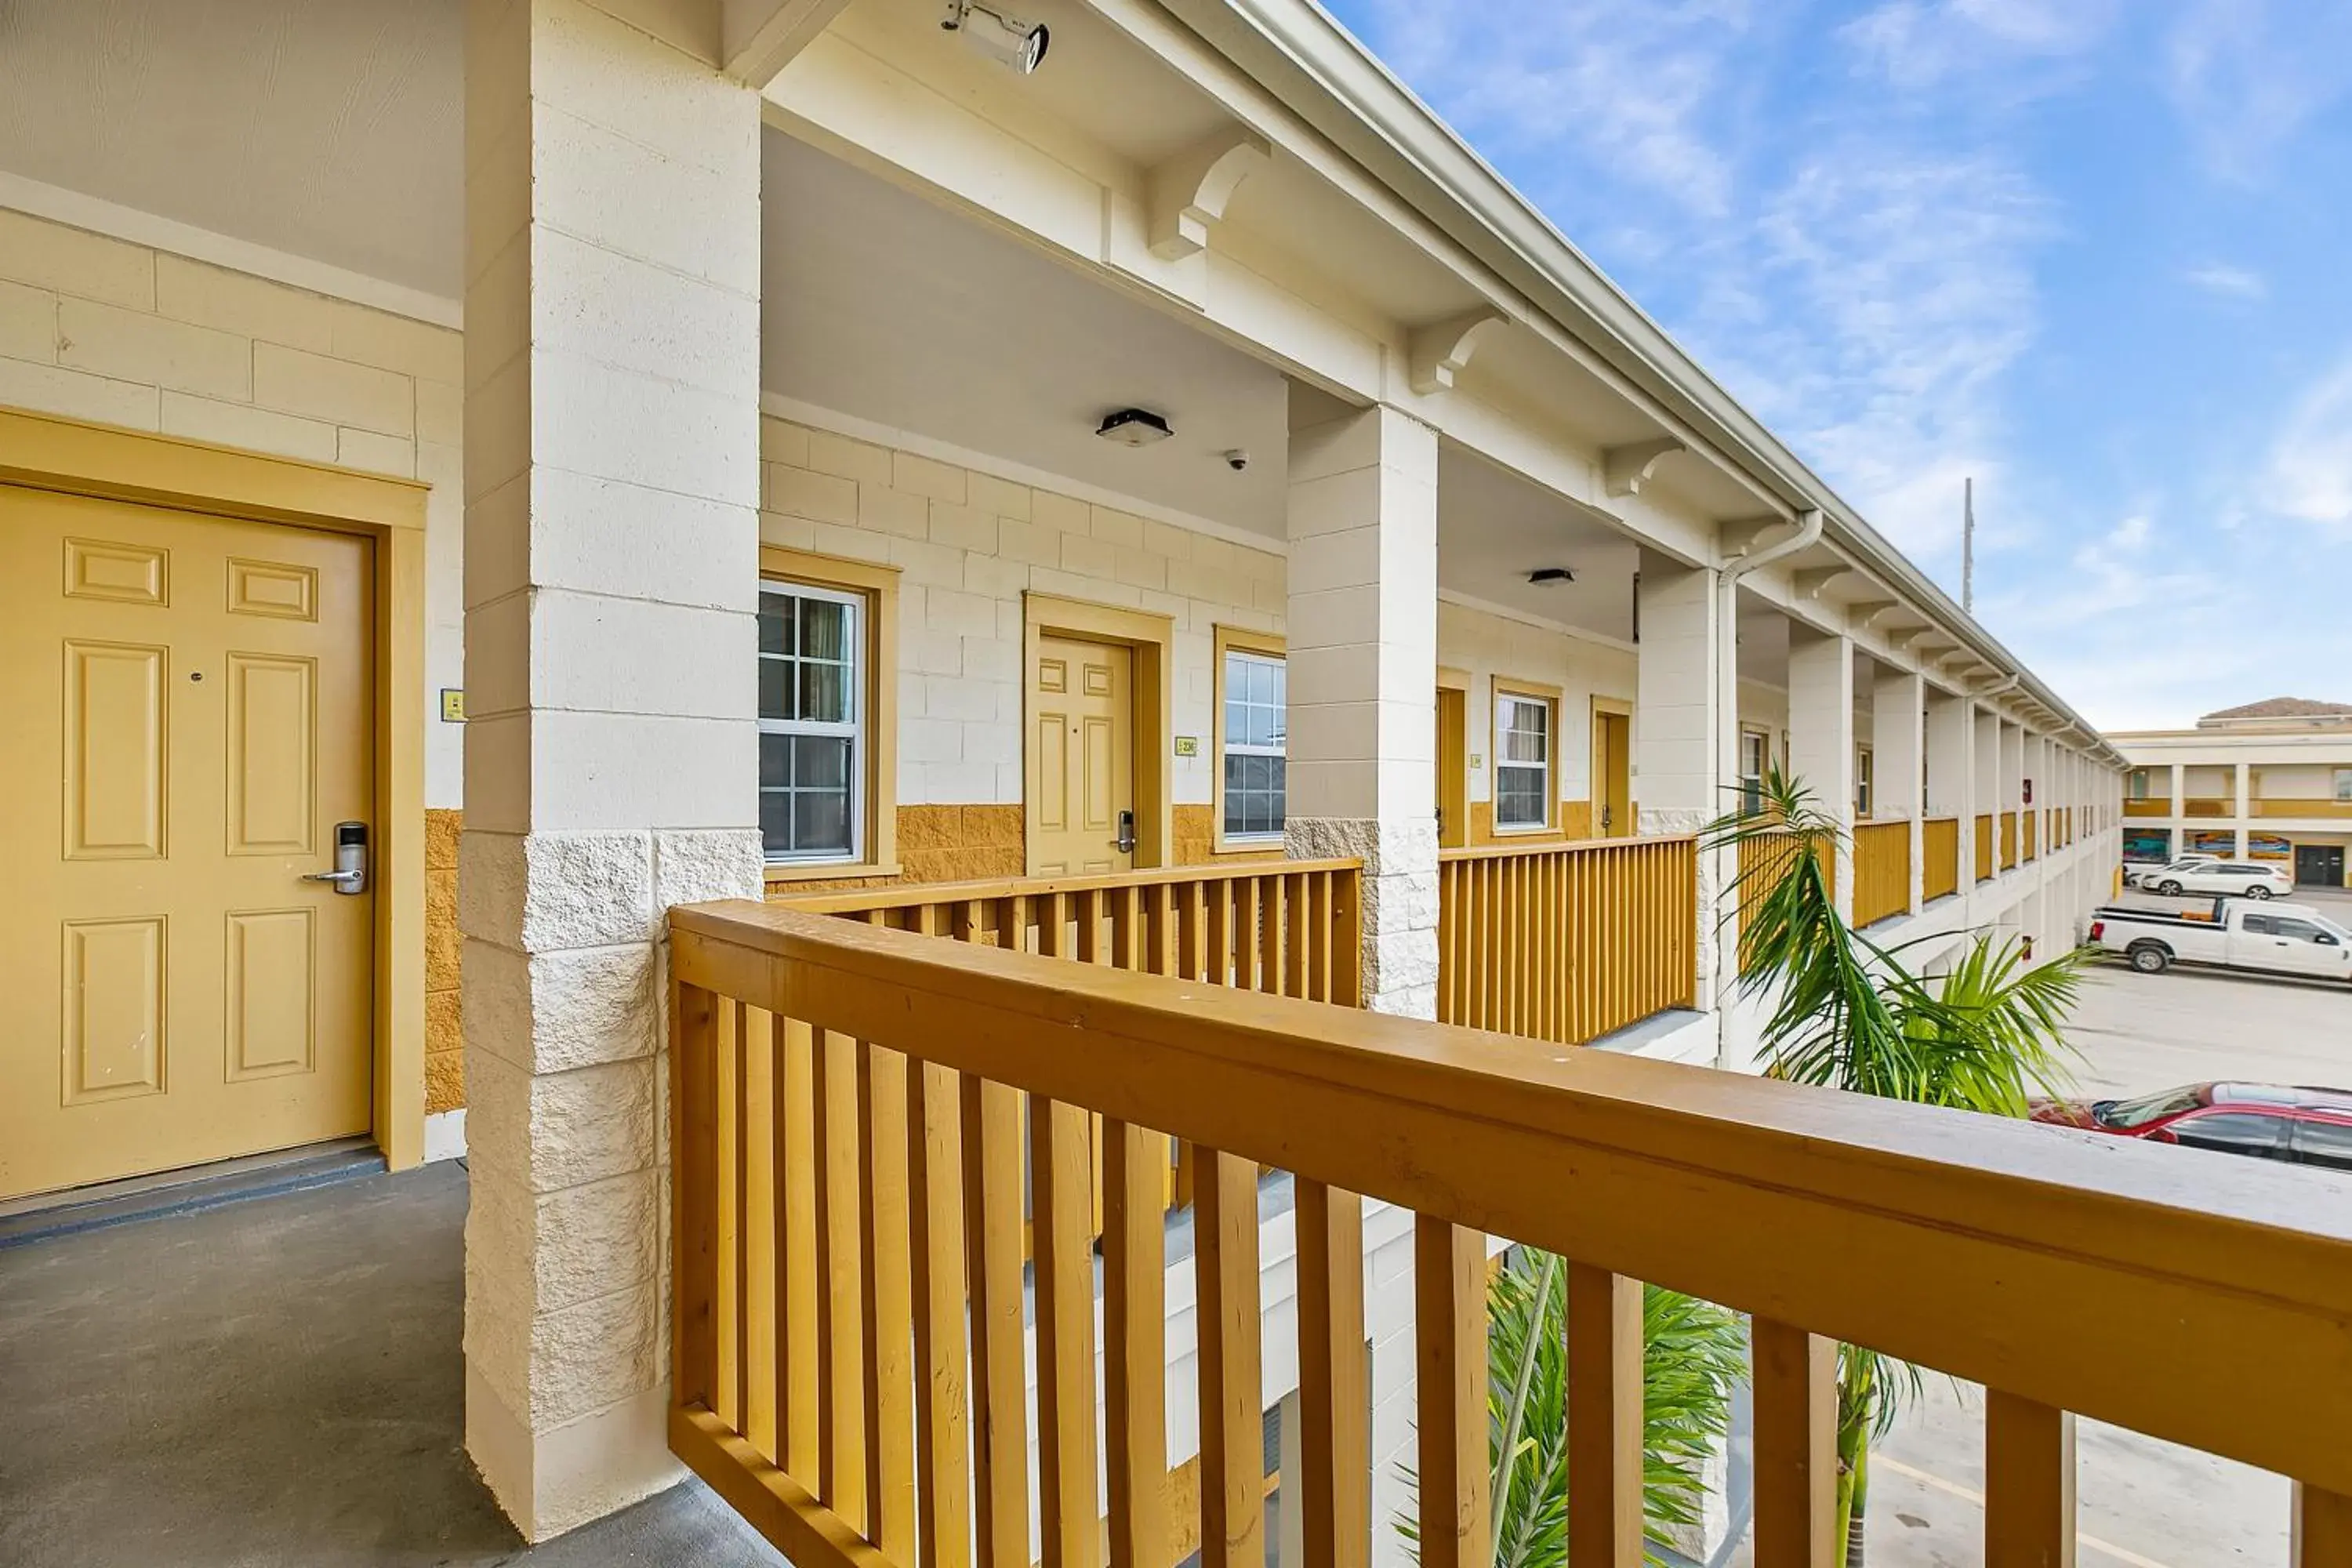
(2303, 1125)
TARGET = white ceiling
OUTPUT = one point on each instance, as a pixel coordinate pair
(328, 129)
(1493, 529)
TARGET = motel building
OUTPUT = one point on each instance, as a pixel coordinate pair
(1017, 752)
(2271, 782)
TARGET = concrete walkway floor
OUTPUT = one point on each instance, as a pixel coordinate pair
(277, 1381)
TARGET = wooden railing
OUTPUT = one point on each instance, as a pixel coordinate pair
(850, 1333)
(2206, 805)
(1984, 848)
(2148, 807)
(1881, 871)
(2009, 841)
(2029, 828)
(1940, 852)
(2304, 808)
(1566, 942)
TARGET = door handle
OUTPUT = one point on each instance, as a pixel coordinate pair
(350, 875)
(344, 881)
(1126, 832)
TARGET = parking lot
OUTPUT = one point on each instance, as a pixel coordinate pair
(2141, 1504)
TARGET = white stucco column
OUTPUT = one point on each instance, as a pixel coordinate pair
(1986, 797)
(1898, 732)
(1821, 734)
(2242, 796)
(1362, 630)
(2179, 795)
(611, 462)
(1684, 732)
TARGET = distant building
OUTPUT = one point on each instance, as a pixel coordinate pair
(2268, 781)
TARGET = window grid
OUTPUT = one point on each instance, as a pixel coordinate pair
(1523, 727)
(1257, 739)
(812, 722)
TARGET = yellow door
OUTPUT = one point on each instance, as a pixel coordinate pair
(1612, 775)
(1452, 772)
(190, 717)
(1081, 773)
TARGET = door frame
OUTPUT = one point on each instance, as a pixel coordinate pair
(1621, 763)
(1152, 639)
(1453, 757)
(72, 457)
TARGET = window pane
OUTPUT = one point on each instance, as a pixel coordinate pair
(776, 822)
(821, 821)
(821, 762)
(2327, 1143)
(2237, 1133)
(825, 693)
(776, 690)
(775, 623)
(775, 760)
(1235, 808)
(824, 629)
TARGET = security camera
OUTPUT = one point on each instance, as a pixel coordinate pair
(1237, 459)
(1019, 47)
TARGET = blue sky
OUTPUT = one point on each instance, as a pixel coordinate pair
(2096, 253)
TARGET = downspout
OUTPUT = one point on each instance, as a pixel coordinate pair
(1726, 699)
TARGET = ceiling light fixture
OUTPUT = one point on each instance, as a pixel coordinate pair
(1543, 576)
(1134, 427)
(1018, 46)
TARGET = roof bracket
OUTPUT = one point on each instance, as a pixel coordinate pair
(1809, 583)
(1188, 191)
(1867, 613)
(1437, 352)
(1625, 469)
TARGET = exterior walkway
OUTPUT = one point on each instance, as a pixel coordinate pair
(274, 1382)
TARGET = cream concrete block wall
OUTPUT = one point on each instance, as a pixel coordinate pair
(97, 328)
(1485, 645)
(968, 542)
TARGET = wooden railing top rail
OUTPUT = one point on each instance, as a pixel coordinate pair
(899, 895)
(1558, 845)
(2098, 1276)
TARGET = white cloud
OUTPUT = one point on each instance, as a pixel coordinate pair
(2238, 282)
(2246, 76)
(2310, 471)
(1915, 43)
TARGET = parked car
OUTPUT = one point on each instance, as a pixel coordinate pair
(2148, 876)
(2279, 938)
(2229, 878)
(2305, 1125)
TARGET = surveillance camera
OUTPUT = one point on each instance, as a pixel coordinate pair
(1019, 46)
(1237, 459)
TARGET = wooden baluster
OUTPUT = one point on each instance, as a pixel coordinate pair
(1086, 908)
(841, 1423)
(2322, 1534)
(1052, 911)
(794, 1152)
(1191, 918)
(1319, 937)
(1134, 1352)
(694, 1194)
(888, 1329)
(1604, 1417)
(2028, 1483)
(1347, 940)
(1334, 1397)
(1449, 1265)
(734, 1027)
(1232, 1439)
(1299, 938)
(1160, 930)
(1796, 1448)
(1271, 915)
(1000, 1393)
(1245, 938)
(1062, 1203)
(935, 1155)
(1126, 929)
(1217, 944)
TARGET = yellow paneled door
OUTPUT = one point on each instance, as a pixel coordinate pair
(189, 716)
(1081, 762)
(1613, 773)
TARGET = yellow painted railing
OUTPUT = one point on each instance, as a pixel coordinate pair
(1566, 941)
(1881, 871)
(2029, 826)
(1939, 853)
(852, 1325)
(2304, 808)
(2147, 808)
(1984, 848)
(2206, 806)
(2009, 840)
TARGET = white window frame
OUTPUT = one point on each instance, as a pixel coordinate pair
(2342, 783)
(1751, 785)
(855, 638)
(1865, 783)
(1228, 746)
(1504, 698)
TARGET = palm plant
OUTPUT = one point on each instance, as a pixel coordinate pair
(1844, 1012)
(1693, 1352)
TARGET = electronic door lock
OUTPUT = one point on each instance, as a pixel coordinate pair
(1126, 832)
(350, 875)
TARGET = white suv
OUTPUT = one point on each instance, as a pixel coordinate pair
(2149, 876)
(2227, 877)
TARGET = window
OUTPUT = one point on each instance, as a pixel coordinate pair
(1754, 760)
(827, 648)
(1525, 728)
(2232, 1132)
(2344, 783)
(2295, 930)
(1253, 715)
(2261, 925)
(1866, 782)
(2136, 785)
(2324, 1143)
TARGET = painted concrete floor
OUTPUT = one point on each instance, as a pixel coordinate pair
(274, 1382)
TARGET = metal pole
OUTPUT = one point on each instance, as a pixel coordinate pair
(1968, 545)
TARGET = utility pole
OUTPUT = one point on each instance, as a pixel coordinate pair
(1968, 545)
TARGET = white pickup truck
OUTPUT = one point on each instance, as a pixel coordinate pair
(2277, 939)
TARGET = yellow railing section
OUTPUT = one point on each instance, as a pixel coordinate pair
(1881, 871)
(2306, 808)
(2009, 841)
(2206, 806)
(2028, 830)
(1566, 941)
(1984, 848)
(1940, 858)
(851, 1320)
(2147, 808)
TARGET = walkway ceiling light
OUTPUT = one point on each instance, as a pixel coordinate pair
(1019, 47)
(1134, 427)
(1543, 577)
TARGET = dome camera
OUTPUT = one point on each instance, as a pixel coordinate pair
(1237, 459)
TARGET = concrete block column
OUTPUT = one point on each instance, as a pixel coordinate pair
(1899, 734)
(611, 493)
(1821, 734)
(1684, 739)
(1362, 628)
